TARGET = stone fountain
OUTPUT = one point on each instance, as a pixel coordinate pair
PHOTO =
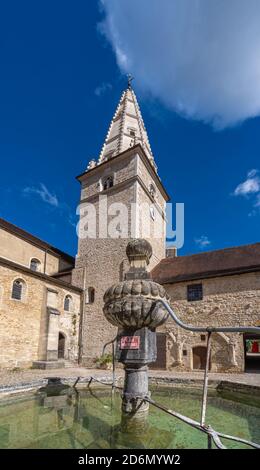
(130, 305)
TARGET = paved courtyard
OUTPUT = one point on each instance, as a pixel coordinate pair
(13, 378)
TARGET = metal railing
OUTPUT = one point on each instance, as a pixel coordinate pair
(212, 434)
(112, 342)
(209, 330)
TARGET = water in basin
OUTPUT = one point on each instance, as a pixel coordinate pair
(90, 419)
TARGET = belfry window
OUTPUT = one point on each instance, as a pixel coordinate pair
(35, 264)
(108, 182)
(67, 303)
(18, 289)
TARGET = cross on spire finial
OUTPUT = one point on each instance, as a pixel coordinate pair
(129, 80)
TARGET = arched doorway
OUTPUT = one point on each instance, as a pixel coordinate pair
(160, 362)
(252, 353)
(199, 355)
(61, 346)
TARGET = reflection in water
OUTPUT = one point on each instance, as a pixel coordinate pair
(61, 417)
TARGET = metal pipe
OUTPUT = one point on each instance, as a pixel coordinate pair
(93, 379)
(113, 365)
(113, 359)
(195, 424)
(205, 383)
(211, 329)
(107, 344)
(206, 429)
(78, 379)
(215, 435)
(211, 433)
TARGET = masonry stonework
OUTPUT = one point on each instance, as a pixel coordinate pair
(24, 323)
(122, 190)
(227, 301)
(102, 261)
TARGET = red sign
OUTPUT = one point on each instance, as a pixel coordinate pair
(130, 342)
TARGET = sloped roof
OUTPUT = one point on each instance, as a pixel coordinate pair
(11, 228)
(208, 264)
(126, 130)
(38, 274)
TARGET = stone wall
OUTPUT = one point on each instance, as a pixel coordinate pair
(227, 301)
(101, 262)
(24, 323)
(20, 251)
(121, 169)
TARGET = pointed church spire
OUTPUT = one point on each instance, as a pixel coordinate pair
(126, 128)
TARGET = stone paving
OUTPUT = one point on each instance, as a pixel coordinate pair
(27, 376)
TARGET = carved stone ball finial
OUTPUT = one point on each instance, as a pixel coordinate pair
(139, 252)
(132, 303)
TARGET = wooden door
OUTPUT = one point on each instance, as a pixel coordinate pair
(160, 362)
(199, 357)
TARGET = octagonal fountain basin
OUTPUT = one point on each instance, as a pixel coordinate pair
(90, 419)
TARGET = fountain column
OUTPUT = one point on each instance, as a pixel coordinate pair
(130, 305)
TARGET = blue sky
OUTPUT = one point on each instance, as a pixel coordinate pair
(60, 81)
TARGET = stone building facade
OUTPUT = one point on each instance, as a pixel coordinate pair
(51, 305)
(39, 310)
(217, 288)
(123, 179)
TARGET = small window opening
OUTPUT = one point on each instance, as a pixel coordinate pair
(35, 264)
(17, 290)
(67, 303)
(194, 292)
(108, 182)
(90, 295)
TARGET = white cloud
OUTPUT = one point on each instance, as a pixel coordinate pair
(250, 186)
(252, 173)
(201, 58)
(43, 193)
(62, 208)
(202, 241)
(103, 88)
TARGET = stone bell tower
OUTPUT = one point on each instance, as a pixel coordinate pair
(122, 197)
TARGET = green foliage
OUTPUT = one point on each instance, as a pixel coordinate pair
(104, 360)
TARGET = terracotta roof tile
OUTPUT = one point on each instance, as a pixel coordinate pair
(208, 264)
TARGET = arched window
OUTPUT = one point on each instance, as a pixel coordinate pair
(90, 297)
(18, 289)
(35, 264)
(68, 303)
(108, 182)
